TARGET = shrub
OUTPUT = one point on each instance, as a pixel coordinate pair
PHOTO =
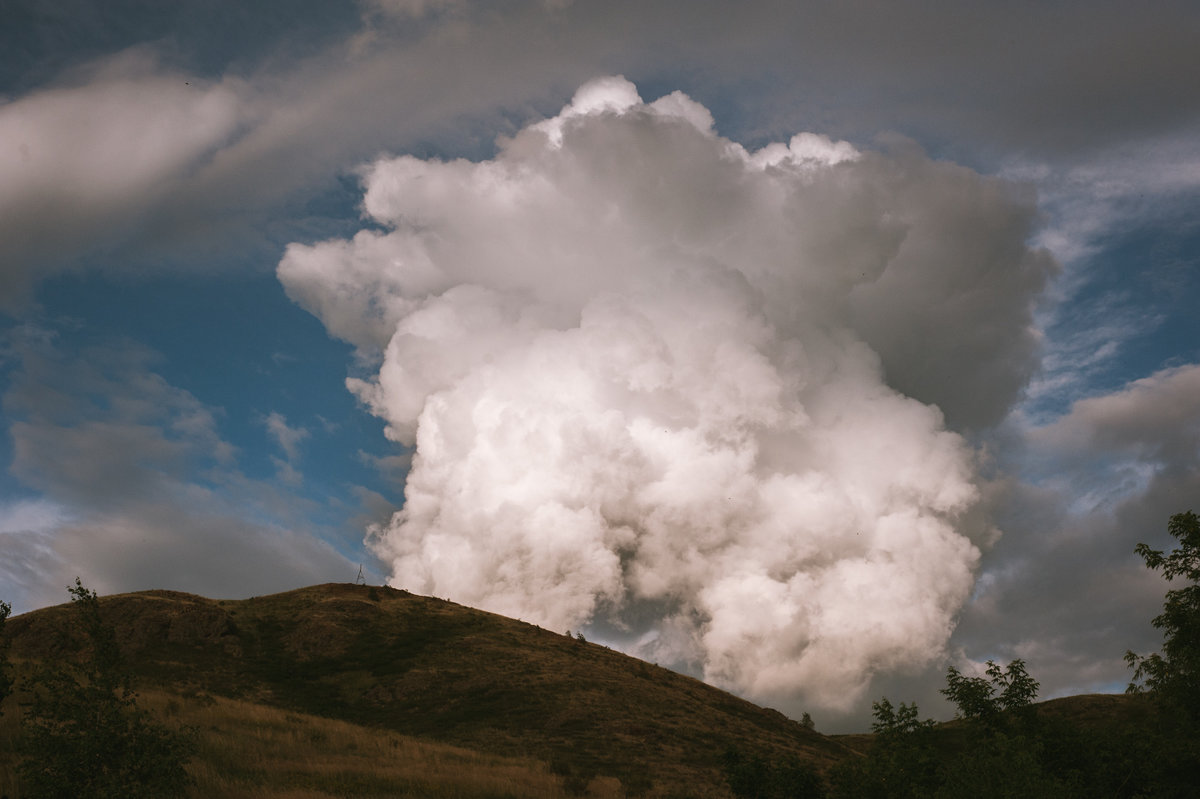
(1174, 674)
(84, 734)
(6, 681)
(755, 777)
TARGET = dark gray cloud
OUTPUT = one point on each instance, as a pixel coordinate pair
(1048, 78)
(43, 38)
(1063, 588)
(952, 316)
(177, 151)
(85, 165)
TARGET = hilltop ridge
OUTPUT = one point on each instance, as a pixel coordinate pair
(431, 668)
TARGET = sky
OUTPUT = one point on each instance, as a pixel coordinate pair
(807, 348)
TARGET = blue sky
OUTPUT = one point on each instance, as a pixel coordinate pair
(972, 289)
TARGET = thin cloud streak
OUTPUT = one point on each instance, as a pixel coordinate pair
(216, 159)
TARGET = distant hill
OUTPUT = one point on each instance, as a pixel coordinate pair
(432, 670)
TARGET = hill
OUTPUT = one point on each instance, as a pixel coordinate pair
(432, 671)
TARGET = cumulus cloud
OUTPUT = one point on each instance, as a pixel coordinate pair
(648, 375)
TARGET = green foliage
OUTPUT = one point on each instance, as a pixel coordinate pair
(902, 761)
(104, 667)
(84, 735)
(1004, 756)
(895, 725)
(6, 680)
(1114, 761)
(1174, 674)
(1006, 694)
(755, 777)
(1000, 759)
(1005, 767)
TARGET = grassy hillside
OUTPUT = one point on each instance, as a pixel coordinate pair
(248, 750)
(420, 669)
(354, 691)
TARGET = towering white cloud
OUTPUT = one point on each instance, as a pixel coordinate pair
(641, 368)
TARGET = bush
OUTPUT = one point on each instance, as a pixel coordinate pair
(84, 735)
(1174, 675)
(1004, 697)
(755, 777)
(6, 680)
(901, 763)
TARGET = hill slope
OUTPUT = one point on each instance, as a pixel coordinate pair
(429, 668)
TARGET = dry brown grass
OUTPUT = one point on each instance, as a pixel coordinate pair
(9, 723)
(444, 674)
(246, 750)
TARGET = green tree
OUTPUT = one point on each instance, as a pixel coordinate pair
(1005, 750)
(84, 735)
(1006, 758)
(902, 761)
(755, 777)
(1007, 694)
(1174, 674)
(1172, 677)
(6, 680)
(1001, 767)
